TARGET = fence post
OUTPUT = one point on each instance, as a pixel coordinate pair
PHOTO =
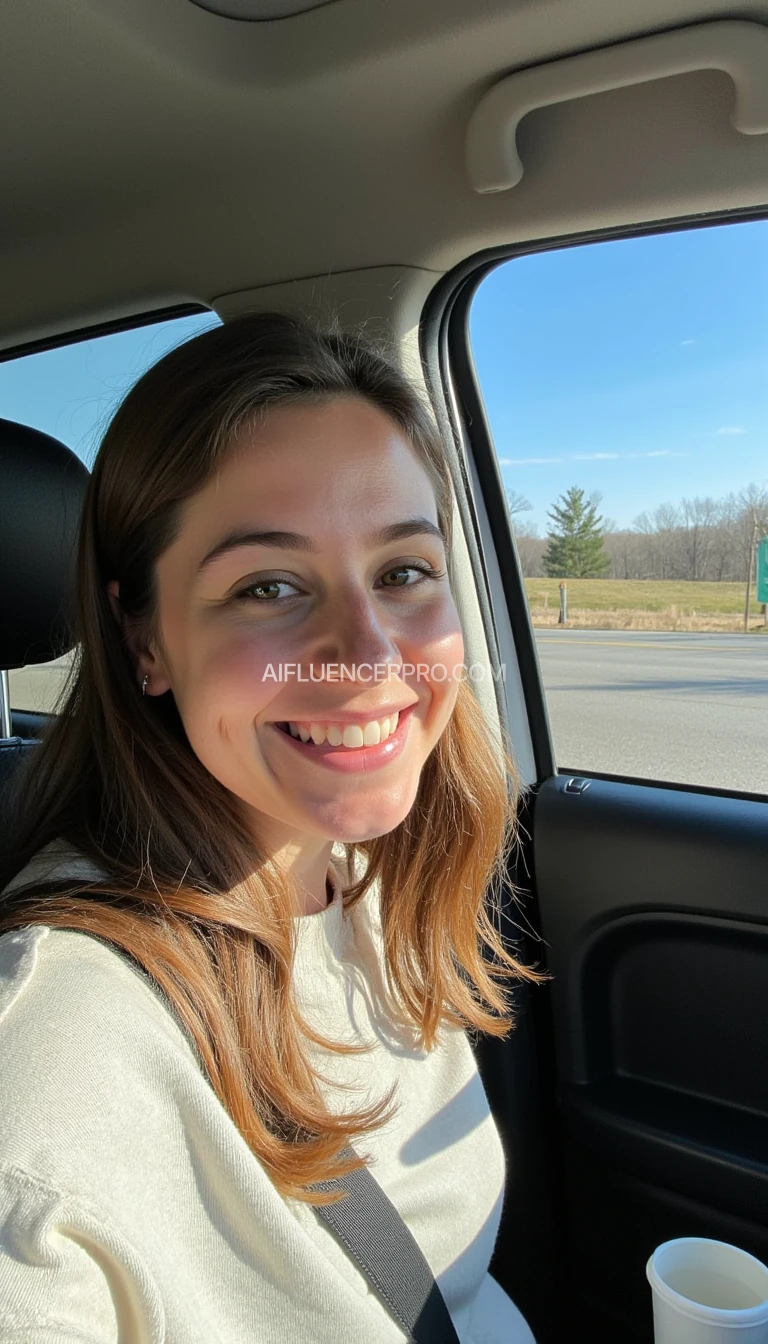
(563, 617)
(752, 561)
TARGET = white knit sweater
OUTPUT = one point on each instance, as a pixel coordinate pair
(133, 1212)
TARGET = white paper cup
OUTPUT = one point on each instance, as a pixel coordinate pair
(707, 1292)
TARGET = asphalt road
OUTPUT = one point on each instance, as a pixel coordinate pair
(688, 708)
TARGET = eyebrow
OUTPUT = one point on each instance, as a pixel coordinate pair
(295, 541)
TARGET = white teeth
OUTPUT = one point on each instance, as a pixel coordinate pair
(353, 735)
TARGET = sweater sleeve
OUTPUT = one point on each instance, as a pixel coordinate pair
(66, 1276)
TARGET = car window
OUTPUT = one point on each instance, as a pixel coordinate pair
(71, 392)
(626, 388)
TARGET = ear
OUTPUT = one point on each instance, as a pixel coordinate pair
(113, 593)
(146, 662)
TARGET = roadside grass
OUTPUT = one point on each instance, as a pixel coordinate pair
(628, 604)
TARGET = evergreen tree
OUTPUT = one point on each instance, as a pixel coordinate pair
(575, 539)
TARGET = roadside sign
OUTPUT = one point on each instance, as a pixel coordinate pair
(762, 570)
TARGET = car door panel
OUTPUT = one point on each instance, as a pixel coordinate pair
(654, 906)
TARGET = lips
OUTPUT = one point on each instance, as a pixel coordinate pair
(350, 759)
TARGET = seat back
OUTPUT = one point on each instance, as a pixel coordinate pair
(42, 491)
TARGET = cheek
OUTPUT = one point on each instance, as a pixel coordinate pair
(446, 683)
(439, 668)
(435, 638)
(234, 679)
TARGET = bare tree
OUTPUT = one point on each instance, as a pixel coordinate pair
(751, 523)
(698, 518)
(722, 543)
(517, 503)
(625, 549)
(530, 548)
(699, 538)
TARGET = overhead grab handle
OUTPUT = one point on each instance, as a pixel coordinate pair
(739, 48)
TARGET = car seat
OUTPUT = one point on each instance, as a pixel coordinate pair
(42, 492)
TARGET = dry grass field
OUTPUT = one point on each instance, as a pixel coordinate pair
(626, 604)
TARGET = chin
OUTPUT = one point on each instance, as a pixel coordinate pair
(352, 824)
(360, 835)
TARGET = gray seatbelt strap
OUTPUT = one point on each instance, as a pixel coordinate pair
(371, 1230)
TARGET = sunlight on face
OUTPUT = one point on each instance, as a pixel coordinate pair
(336, 474)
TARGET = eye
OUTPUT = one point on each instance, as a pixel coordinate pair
(266, 590)
(400, 574)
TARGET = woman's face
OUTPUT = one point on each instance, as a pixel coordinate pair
(307, 586)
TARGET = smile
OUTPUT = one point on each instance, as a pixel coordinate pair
(345, 747)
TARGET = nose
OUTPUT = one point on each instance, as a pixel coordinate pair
(361, 633)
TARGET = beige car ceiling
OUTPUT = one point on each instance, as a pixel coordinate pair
(154, 152)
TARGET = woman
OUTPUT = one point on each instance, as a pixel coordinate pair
(246, 921)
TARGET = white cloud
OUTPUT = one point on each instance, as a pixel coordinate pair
(596, 457)
(585, 457)
(529, 461)
(728, 431)
(687, 342)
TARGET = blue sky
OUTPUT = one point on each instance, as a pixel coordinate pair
(71, 392)
(638, 368)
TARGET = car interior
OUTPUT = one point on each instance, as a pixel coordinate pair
(370, 162)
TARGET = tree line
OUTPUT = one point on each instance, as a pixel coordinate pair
(697, 538)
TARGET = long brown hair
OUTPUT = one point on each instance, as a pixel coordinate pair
(187, 895)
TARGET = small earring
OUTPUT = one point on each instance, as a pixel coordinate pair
(144, 685)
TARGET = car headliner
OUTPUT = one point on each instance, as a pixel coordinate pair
(154, 152)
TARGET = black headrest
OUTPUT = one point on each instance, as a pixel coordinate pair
(42, 490)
